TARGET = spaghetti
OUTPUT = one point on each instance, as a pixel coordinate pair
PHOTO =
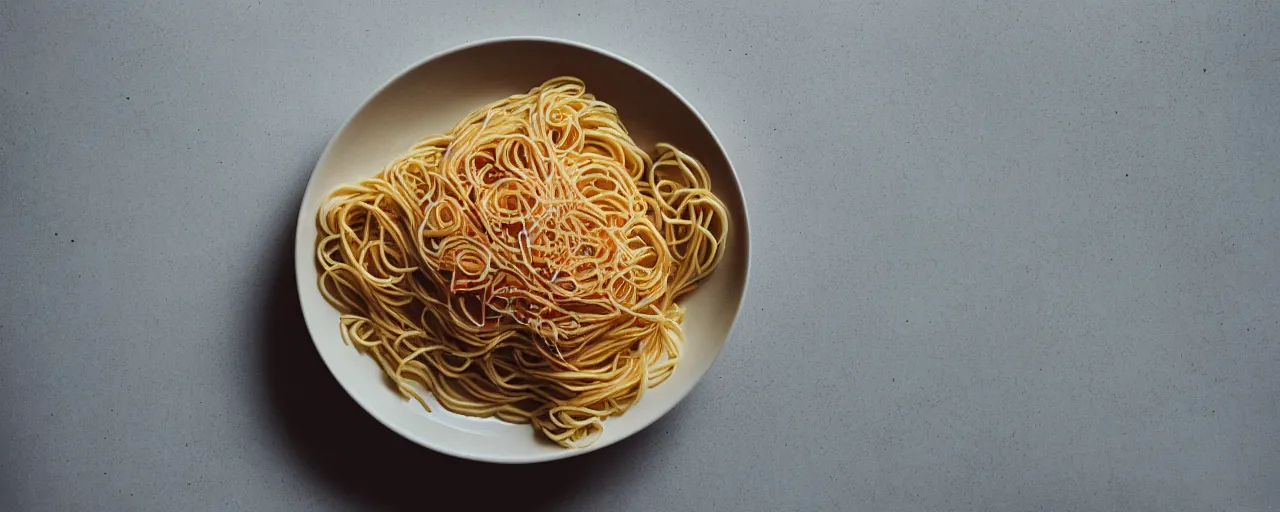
(526, 264)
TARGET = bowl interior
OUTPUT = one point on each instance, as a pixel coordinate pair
(430, 98)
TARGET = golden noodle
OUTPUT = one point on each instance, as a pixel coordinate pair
(525, 264)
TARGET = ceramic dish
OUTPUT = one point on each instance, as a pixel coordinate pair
(430, 97)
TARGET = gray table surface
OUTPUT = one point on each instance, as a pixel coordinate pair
(1009, 256)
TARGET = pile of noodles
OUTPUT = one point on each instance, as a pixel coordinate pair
(526, 264)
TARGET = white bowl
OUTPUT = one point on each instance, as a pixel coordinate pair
(429, 98)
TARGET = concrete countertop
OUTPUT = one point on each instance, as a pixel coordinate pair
(1008, 256)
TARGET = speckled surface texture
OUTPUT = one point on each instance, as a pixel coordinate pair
(1009, 256)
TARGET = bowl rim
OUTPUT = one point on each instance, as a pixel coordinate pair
(743, 232)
